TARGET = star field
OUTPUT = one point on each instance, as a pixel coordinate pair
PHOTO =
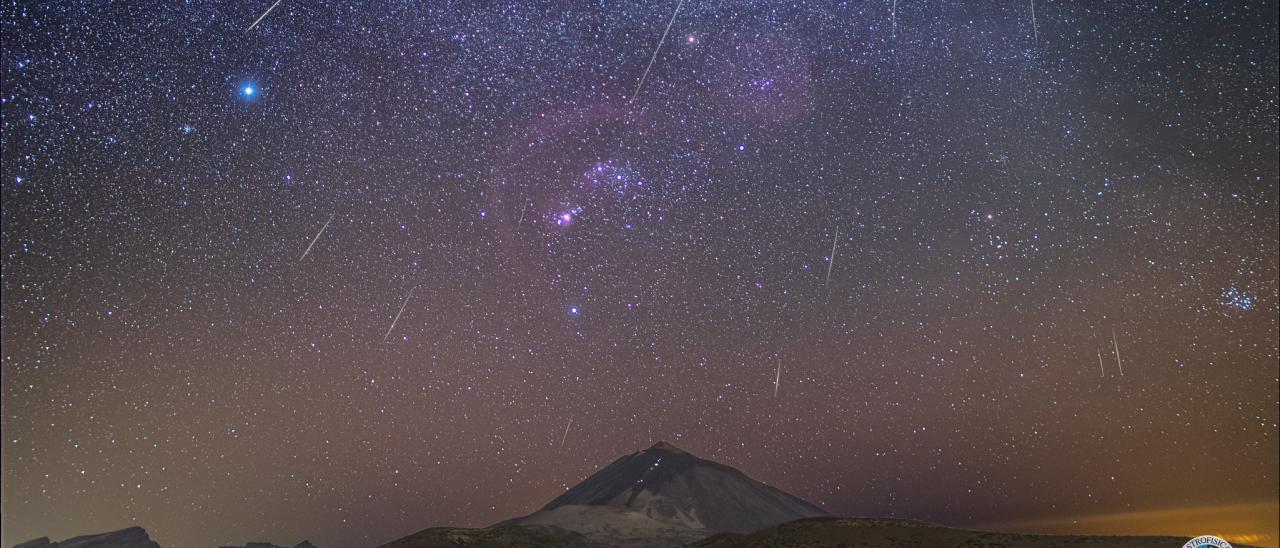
(549, 246)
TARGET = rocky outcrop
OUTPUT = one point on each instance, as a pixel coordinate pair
(132, 537)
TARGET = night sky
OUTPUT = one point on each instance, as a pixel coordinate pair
(1009, 190)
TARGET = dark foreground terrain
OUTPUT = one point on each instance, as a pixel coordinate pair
(131, 537)
(825, 532)
(513, 537)
(900, 533)
(665, 497)
(802, 533)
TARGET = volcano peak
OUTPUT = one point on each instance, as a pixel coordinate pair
(664, 446)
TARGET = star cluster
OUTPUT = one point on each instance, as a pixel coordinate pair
(517, 236)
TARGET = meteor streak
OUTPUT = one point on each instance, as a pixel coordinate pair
(655, 51)
(566, 430)
(393, 322)
(777, 379)
(263, 16)
(313, 240)
(832, 262)
(1117, 345)
(1035, 29)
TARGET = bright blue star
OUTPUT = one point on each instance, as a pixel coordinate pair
(574, 311)
(248, 90)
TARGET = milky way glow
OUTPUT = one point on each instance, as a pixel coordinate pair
(343, 272)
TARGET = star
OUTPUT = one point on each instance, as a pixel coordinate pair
(938, 212)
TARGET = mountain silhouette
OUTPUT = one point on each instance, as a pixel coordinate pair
(660, 497)
(673, 487)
